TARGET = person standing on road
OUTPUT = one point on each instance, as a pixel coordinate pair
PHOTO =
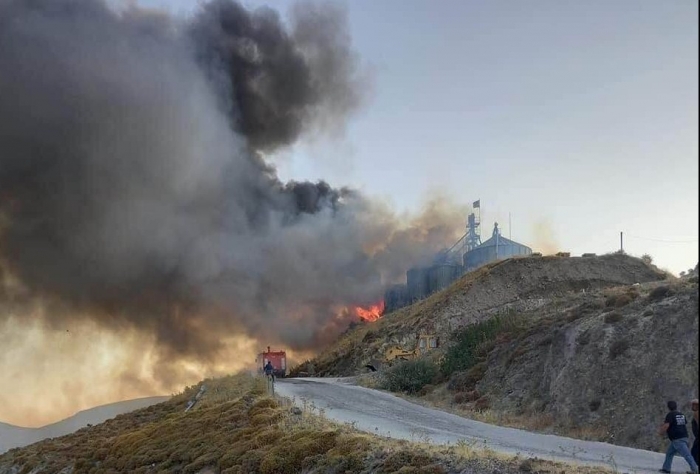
(696, 422)
(269, 370)
(675, 428)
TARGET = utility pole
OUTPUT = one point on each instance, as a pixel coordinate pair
(622, 249)
(510, 229)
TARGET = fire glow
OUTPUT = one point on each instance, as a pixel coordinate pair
(370, 313)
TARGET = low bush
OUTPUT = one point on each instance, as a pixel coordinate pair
(409, 376)
(426, 389)
(660, 292)
(619, 297)
(624, 300)
(613, 317)
(370, 336)
(399, 461)
(470, 342)
(618, 348)
(482, 404)
(465, 397)
(632, 293)
(467, 380)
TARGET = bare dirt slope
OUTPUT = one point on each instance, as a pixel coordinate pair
(610, 367)
(520, 284)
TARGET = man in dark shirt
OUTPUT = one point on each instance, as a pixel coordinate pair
(675, 428)
(270, 370)
(696, 421)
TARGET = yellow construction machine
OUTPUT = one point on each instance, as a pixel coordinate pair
(425, 343)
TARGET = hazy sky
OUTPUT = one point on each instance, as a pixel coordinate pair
(579, 118)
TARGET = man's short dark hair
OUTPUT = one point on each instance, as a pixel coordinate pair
(673, 406)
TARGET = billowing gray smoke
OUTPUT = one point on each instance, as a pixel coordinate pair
(277, 82)
(132, 186)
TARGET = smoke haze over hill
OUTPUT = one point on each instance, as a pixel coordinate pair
(136, 205)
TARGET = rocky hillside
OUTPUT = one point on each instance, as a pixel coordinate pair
(605, 364)
(587, 347)
(513, 285)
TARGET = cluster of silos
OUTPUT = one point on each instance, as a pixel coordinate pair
(420, 283)
(423, 281)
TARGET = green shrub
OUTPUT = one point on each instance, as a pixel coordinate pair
(618, 301)
(409, 376)
(467, 380)
(466, 353)
(660, 292)
(613, 317)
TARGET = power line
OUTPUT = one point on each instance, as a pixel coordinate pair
(663, 240)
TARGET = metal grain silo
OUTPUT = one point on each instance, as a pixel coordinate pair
(417, 283)
(395, 297)
(496, 248)
(442, 276)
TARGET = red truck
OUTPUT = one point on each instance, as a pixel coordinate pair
(278, 359)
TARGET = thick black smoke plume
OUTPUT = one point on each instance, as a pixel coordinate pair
(132, 185)
(278, 82)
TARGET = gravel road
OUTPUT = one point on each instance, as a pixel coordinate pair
(387, 415)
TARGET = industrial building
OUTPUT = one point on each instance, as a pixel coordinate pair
(496, 248)
(467, 254)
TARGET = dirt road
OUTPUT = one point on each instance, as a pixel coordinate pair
(384, 414)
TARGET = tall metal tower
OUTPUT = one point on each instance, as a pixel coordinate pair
(473, 237)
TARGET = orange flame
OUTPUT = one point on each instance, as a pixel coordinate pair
(371, 313)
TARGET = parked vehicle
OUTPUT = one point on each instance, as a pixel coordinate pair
(278, 359)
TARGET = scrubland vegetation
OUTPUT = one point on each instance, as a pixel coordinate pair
(238, 428)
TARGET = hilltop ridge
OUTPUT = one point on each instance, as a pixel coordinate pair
(512, 285)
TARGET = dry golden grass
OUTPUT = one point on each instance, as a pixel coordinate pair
(238, 428)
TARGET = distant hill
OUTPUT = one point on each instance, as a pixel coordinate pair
(14, 436)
